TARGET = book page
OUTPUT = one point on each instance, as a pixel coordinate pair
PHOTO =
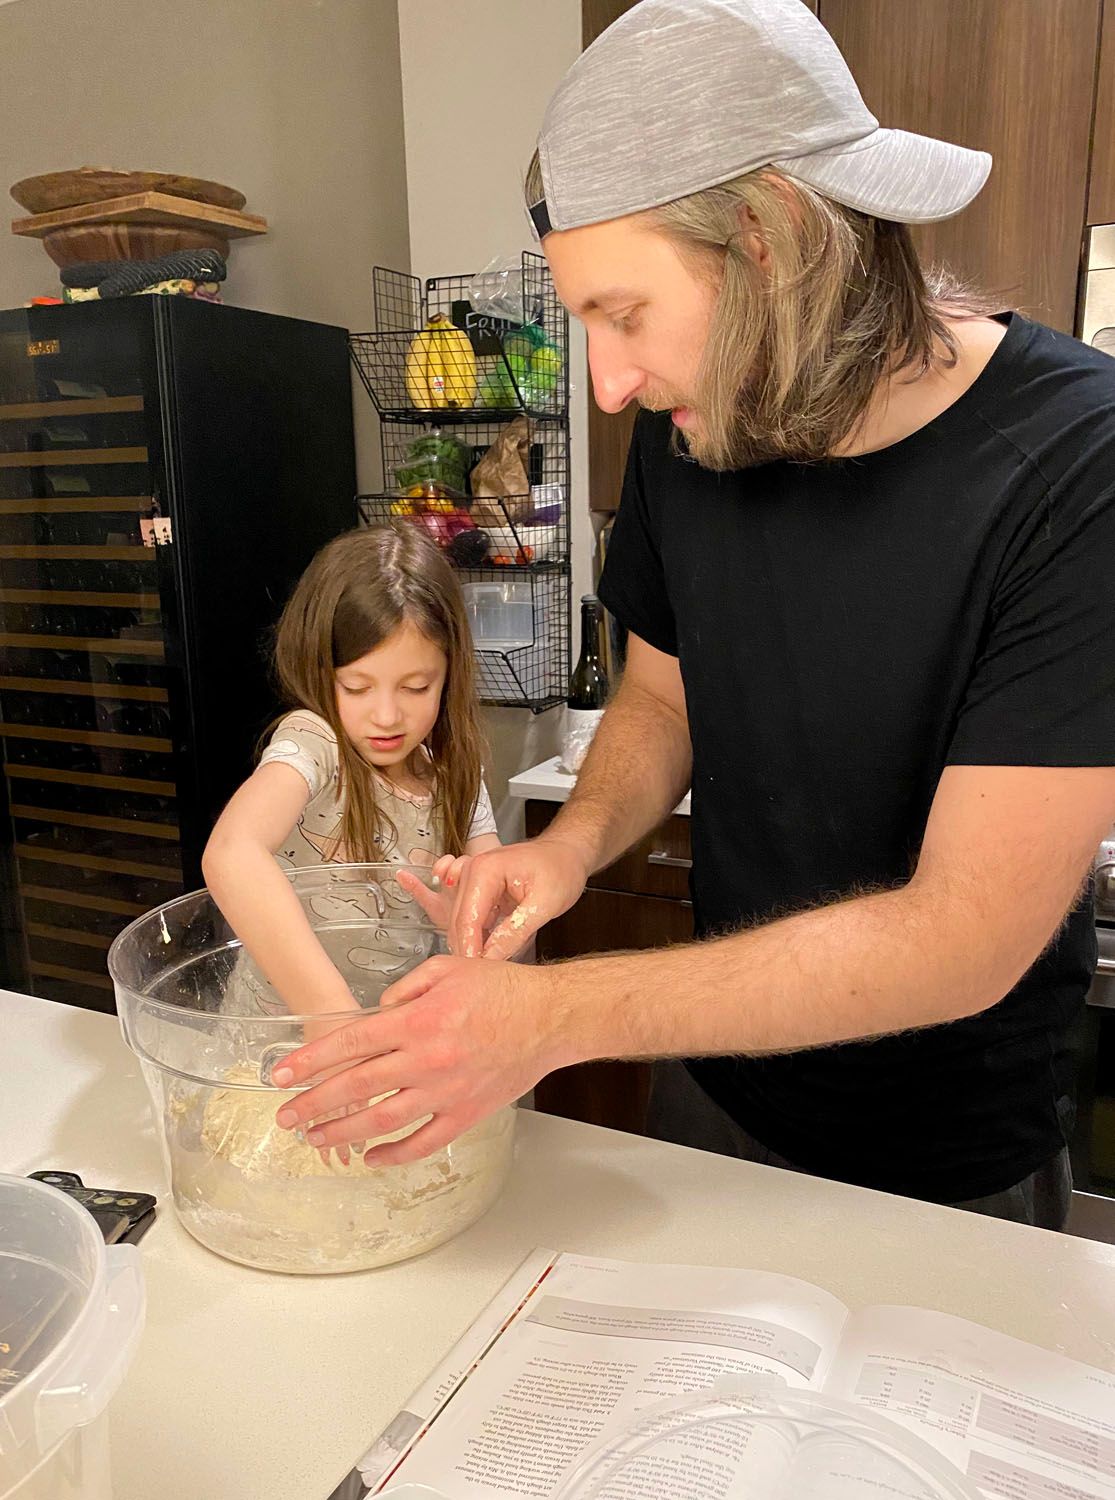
(376, 1466)
(600, 1340)
(1020, 1421)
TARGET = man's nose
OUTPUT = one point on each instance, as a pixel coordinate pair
(615, 381)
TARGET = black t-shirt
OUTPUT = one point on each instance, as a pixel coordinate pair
(846, 630)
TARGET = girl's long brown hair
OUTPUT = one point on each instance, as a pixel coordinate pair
(356, 593)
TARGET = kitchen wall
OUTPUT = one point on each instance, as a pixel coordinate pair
(367, 132)
(476, 77)
(295, 102)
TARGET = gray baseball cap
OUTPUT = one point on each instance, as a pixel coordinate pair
(681, 95)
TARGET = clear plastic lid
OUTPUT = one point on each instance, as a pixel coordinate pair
(763, 1443)
(49, 1263)
(71, 1311)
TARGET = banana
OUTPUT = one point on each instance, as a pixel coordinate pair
(441, 367)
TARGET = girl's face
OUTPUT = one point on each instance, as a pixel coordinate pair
(389, 699)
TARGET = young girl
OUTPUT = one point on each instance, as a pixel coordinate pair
(379, 759)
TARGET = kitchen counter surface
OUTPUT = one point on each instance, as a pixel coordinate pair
(251, 1386)
(545, 783)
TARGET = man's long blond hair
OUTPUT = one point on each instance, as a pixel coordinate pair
(797, 348)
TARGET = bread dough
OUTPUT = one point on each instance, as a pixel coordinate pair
(238, 1125)
(256, 1193)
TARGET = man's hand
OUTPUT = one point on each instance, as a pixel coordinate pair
(472, 1037)
(312, 1030)
(505, 896)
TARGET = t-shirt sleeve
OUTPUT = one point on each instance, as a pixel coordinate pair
(306, 742)
(633, 584)
(1043, 689)
(483, 819)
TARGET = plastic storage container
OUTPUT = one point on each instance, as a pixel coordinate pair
(71, 1313)
(765, 1442)
(208, 1030)
(501, 614)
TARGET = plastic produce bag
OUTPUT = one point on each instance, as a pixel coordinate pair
(498, 291)
(434, 459)
(578, 725)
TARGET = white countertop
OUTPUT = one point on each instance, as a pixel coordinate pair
(545, 783)
(251, 1386)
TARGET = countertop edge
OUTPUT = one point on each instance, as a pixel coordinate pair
(545, 783)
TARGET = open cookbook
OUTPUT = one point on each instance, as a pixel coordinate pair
(574, 1347)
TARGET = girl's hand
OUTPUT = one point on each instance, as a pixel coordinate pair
(437, 904)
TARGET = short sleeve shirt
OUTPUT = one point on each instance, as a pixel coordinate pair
(306, 742)
(845, 631)
(402, 935)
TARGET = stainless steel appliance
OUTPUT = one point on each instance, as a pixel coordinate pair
(1093, 1144)
(1096, 320)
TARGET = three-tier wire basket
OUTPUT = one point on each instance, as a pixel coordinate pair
(512, 550)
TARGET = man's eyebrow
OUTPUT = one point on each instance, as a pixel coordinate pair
(613, 295)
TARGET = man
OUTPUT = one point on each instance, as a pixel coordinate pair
(863, 553)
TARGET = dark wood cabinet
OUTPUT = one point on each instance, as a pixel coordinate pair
(1101, 186)
(598, 15)
(642, 901)
(1018, 80)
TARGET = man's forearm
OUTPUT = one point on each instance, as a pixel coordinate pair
(637, 770)
(864, 967)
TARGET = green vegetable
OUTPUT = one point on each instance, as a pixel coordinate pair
(496, 388)
(437, 459)
(523, 341)
(545, 367)
(535, 363)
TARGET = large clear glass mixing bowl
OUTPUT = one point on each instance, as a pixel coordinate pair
(208, 1029)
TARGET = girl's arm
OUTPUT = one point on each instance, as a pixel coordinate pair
(257, 898)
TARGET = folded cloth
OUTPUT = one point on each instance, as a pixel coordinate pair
(204, 291)
(120, 278)
(207, 291)
(176, 286)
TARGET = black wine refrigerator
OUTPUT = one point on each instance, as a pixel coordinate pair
(167, 469)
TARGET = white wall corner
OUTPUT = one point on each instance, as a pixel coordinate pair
(477, 75)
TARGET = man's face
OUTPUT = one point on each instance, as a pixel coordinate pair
(646, 313)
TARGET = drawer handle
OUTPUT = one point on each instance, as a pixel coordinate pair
(670, 861)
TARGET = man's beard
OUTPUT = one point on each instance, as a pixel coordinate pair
(660, 403)
(740, 441)
(747, 450)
